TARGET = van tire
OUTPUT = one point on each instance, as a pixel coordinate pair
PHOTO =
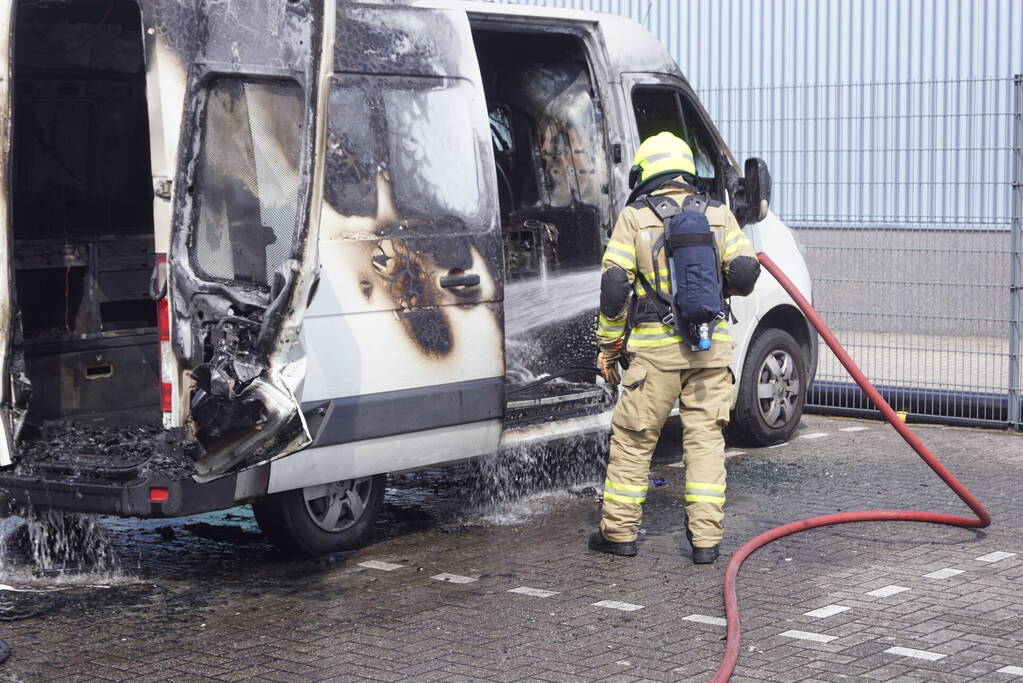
(298, 526)
(751, 422)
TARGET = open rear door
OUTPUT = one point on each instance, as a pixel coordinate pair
(242, 259)
(7, 418)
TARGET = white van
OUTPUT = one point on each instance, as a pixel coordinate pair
(372, 232)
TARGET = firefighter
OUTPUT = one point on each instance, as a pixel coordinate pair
(662, 366)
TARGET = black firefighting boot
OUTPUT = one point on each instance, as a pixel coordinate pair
(701, 555)
(602, 545)
(705, 555)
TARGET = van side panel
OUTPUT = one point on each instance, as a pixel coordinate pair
(409, 202)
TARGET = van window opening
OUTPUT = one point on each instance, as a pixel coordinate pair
(406, 155)
(247, 179)
(659, 109)
(549, 149)
(81, 207)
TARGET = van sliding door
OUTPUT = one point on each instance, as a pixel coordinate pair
(243, 236)
(405, 333)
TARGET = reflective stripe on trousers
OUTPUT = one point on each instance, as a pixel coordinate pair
(624, 493)
(700, 492)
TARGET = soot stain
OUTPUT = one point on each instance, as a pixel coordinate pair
(429, 329)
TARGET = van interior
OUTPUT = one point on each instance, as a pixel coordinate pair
(552, 167)
(549, 148)
(82, 222)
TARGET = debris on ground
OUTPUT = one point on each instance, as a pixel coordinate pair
(223, 532)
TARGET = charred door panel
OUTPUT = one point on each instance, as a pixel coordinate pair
(241, 265)
(412, 285)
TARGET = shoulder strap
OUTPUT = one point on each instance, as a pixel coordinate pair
(663, 207)
(695, 202)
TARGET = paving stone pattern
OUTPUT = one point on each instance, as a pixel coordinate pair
(526, 601)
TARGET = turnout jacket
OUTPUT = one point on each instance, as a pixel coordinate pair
(631, 247)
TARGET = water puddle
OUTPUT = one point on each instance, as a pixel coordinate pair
(54, 562)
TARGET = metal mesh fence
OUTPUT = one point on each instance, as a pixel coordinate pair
(903, 195)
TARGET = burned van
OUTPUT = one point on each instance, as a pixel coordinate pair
(268, 252)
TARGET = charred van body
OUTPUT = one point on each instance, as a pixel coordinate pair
(269, 251)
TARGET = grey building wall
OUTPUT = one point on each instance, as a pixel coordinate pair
(888, 128)
(900, 92)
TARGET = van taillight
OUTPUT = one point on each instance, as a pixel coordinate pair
(163, 325)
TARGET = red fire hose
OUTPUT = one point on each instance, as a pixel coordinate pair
(982, 520)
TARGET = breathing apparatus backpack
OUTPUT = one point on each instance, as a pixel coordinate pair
(696, 303)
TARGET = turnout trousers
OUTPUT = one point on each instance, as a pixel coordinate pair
(648, 395)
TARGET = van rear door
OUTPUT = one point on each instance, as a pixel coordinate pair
(243, 236)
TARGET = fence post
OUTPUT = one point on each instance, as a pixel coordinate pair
(1016, 272)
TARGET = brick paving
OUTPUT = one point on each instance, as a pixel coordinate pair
(233, 610)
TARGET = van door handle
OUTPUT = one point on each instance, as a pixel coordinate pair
(452, 281)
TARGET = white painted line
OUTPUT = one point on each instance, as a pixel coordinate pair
(915, 654)
(827, 611)
(704, 619)
(806, 635)
(453, 578)
(815, 435)
(382, 566)
(1011, 670)
(535, 592)
(614, 604)
(729, 454)
(943, 573)
(681, 463)
(887, 591)
(853, 429)
(995, 556)
(779, 445)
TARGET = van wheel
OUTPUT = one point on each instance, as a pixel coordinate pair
(772, 391)
(323, 519)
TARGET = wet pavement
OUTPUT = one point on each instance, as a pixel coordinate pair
(467, 581)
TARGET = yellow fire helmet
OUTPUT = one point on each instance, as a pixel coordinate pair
(661, 153)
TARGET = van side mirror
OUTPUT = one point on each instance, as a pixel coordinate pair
(756, 193)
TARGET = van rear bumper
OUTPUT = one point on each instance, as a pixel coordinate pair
(185, 496)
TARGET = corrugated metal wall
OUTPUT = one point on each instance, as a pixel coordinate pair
(888, 126)
(843, 95)
(741, 43)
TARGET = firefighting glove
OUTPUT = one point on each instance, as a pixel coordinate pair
(607, 363)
